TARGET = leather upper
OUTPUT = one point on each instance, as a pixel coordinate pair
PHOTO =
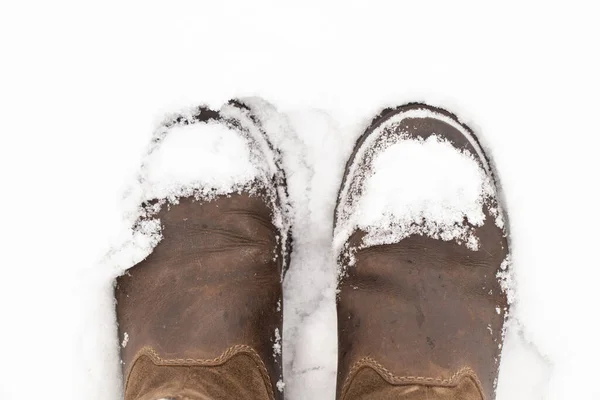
(423, 309)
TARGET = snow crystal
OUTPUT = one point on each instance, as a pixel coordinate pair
(507, 280)
(280, 385)
(125, 340)
(277, 344)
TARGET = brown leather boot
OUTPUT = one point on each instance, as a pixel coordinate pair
(420, 307)
(201, 316)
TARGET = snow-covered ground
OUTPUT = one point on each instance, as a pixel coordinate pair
(83, 85)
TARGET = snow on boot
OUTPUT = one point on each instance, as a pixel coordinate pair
(201, 316)
(421, 245)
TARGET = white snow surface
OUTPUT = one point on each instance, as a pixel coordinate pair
(84, 85)
(417, 187)
(197, 156)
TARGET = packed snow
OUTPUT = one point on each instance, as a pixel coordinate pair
(199, 156)
(84, 86)
(414, 187)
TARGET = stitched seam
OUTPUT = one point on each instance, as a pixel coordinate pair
(369, 362)
(222, 359)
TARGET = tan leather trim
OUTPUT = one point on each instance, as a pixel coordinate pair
(368, 362)
(222, 359)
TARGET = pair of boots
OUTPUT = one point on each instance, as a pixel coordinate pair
(420, 241)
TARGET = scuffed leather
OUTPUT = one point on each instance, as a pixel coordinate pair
(213, 282)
